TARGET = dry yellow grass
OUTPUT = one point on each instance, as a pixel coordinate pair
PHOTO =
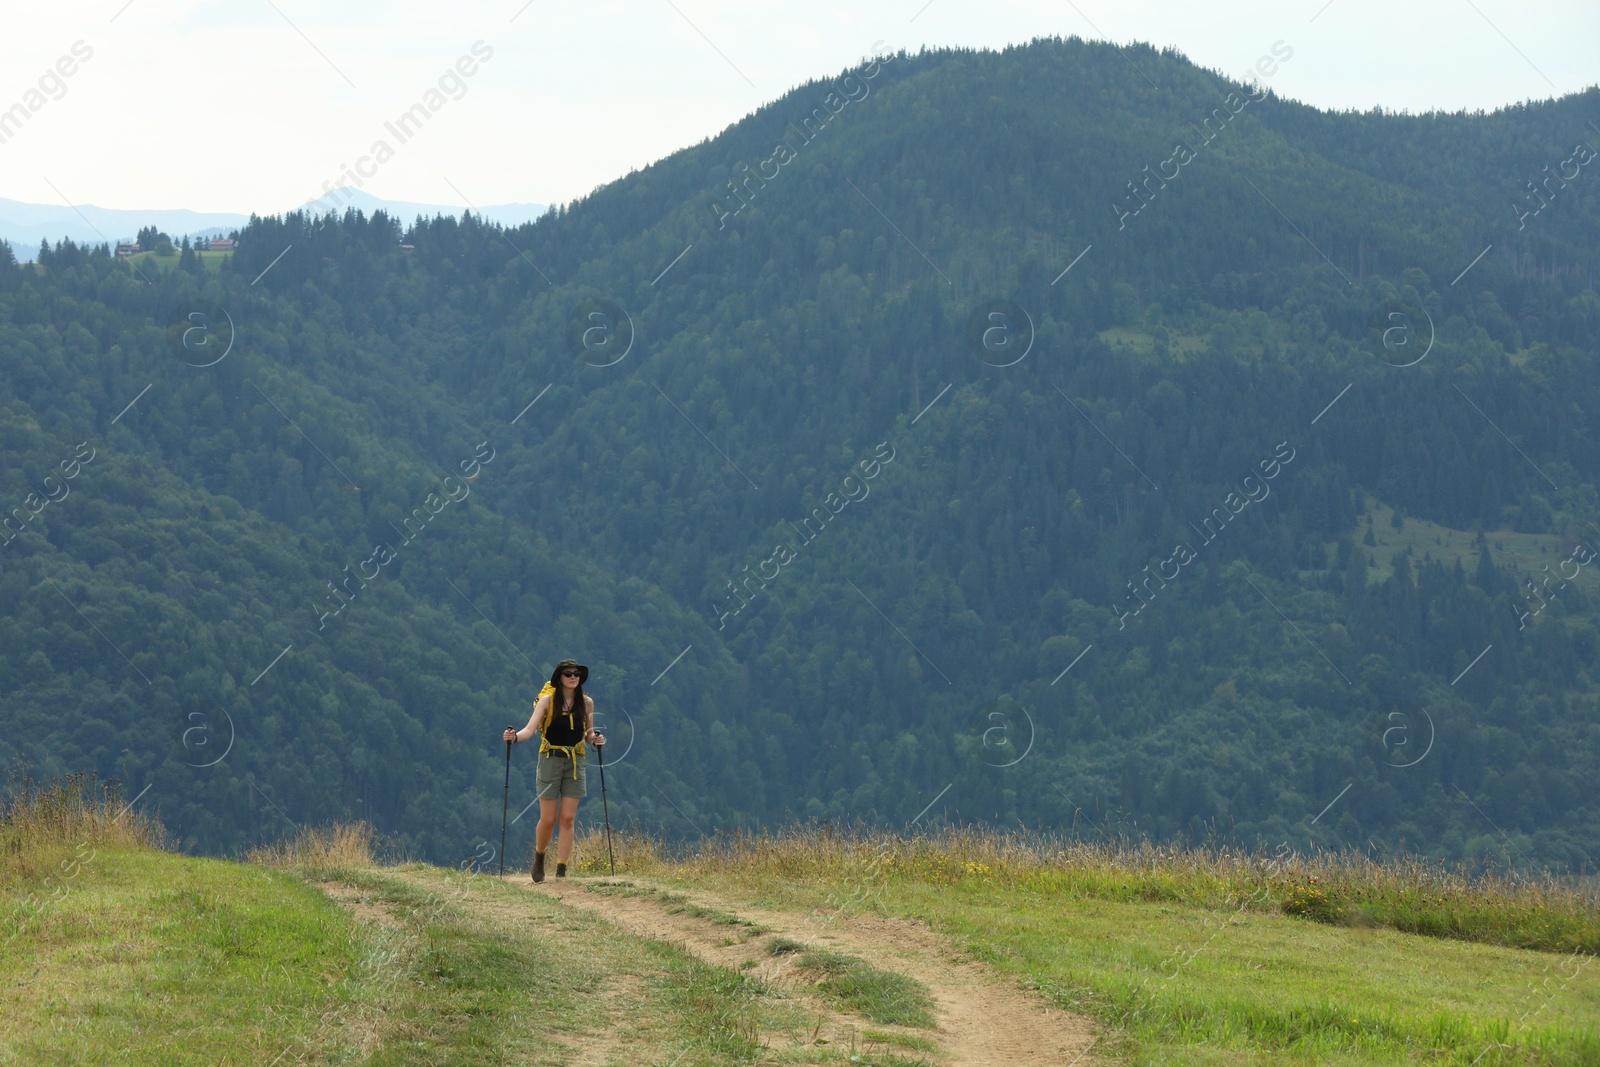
(341, 845)
(1404, 893)
(73, 810)
(636, 852)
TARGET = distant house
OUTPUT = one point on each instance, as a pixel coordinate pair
(127, 250)
(222, 244)
(408, 249)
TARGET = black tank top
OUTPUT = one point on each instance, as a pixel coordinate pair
(565, 727)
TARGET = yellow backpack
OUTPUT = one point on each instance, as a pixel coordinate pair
(572, 752)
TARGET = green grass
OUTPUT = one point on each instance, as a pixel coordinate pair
(681, 905)
(910, 1041)
(174, 960)
(1143, 341)
(208, 260)
(1179, 980)
(461, 996)
(547, 978)
(1419, 902)
(170, 960)
(720, 1008)
(1189, 958)
(114, 951)
(855, 985)
(718, 916)
(1524, 554)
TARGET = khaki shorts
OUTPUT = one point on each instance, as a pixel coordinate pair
(556, 778)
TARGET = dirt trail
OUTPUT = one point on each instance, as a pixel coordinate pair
(620, 1005)
(985, 1020)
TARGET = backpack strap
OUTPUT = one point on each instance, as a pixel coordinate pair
(572, 752)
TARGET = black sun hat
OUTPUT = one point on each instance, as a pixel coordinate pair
(555, 675)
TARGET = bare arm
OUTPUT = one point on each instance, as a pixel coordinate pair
(540, 710)
(589, 732)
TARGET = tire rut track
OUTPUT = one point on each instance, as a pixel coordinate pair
(984, 1019)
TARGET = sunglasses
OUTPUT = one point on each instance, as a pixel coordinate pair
(570, 674)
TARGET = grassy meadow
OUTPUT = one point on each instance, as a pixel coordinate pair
(115, 950)
(1526, 554)
(1215, 957)
(208, 260)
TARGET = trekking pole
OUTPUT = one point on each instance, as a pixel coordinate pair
(600, 750)
(505, 803)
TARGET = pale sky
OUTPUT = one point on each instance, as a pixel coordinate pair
(252, 105)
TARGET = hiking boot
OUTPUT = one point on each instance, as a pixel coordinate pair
(538, 866)
(561, 870)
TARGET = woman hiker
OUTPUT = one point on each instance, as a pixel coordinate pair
(563, 717)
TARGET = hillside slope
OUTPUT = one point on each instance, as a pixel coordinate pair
(831, 549)
(962, 950)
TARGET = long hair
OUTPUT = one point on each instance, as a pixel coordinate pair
(579, 704)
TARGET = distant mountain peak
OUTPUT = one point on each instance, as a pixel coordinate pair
(343, 199)
(24, 225)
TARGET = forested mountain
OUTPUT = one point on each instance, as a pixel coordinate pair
(1067, 436)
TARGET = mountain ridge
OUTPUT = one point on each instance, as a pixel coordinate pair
(947, 650)
(23, 225)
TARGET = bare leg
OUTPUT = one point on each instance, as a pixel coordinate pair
(569, 812)
(547, 825)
